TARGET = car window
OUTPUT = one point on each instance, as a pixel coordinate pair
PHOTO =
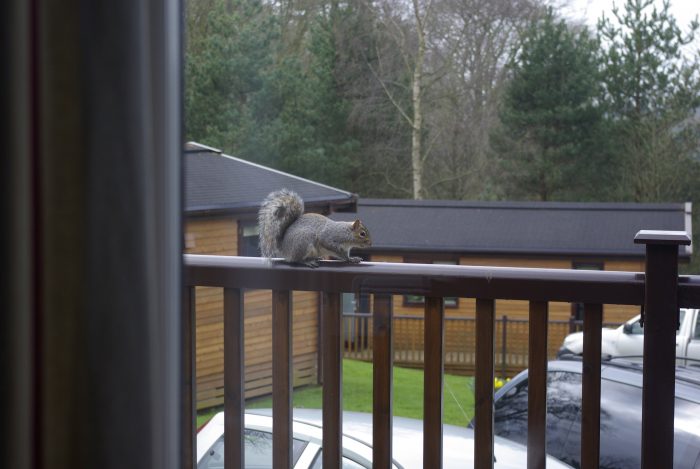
(258, 451)
(636, 328)
(697, 327)
(681, 315)
(347, 463)
(510, 413)
(620, 428)
(563, 405)
(620, 422)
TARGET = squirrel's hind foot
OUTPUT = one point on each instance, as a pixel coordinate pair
(313, 263)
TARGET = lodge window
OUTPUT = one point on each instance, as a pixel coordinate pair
(419, 300)
(248, 239)
(577, 308)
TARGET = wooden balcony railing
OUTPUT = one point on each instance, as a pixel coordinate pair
(511, 340)
(659, 289)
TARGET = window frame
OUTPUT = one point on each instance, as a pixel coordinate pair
(244, 223)
(418, 301)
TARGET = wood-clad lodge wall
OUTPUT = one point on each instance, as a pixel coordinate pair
(459, 335)
(219, 236)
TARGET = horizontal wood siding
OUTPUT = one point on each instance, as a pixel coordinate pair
(216, 236)
(519, 310)
(459, 335)
(219, 236)
(258, 343)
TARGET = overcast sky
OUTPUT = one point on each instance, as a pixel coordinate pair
(590, 10)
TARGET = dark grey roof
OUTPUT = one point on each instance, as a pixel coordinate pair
(215, 182)
(543, 228)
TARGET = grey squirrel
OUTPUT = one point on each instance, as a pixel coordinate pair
(304, 238)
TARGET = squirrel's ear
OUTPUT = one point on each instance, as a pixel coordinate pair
(356, 225)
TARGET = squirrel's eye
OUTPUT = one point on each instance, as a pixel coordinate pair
(363, 234)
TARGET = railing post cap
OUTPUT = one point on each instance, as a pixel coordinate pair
(662, 237)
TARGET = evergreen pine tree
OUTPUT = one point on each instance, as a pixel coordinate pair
(550, 140)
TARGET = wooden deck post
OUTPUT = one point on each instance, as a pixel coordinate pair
(189, 380)
(332, 347)
(590, 405)
(537, 382)
(234, 379)
(660, 324)
(382, 400)
(434, 340)
(282, 379)
(483, 399)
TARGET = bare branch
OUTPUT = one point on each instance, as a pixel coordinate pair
(390, 95)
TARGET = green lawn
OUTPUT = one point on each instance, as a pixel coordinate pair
(408, 394)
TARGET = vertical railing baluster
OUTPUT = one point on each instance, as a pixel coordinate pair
(504, 346)
(234, 379)
(332, 380)
(189, 379)
(537, 386)
(483, 405)
(590, 408)
(281, 379)
(382, 385)
(660, 324)
(433, 339)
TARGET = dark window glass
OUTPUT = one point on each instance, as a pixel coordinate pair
(577, 308)
(419, 300)
(510, 414)
(636, 328)
(563, 405)
(258, 451)
(249, 240)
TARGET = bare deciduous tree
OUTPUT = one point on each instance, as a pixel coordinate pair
(478, 36)
(407, 28)
(442, 66)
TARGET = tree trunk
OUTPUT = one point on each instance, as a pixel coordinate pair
(417, 127)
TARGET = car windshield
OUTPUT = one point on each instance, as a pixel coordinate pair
(636, 328)
(258, 451)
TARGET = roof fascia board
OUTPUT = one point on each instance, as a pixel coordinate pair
(202, 148)
(508, 252)
(518, 255)
(498, 205)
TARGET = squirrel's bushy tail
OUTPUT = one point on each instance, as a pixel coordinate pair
(277, 212)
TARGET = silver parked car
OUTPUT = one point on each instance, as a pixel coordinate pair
(458, 443)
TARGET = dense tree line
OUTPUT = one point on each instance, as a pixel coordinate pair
(459, 99)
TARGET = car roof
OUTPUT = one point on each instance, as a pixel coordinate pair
(628, 370)
(458, 442)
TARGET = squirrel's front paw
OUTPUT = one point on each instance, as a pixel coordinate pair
(313, 263)
(354, 260)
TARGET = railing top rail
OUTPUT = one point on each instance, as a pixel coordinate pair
(514, 283)
(424, 279)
